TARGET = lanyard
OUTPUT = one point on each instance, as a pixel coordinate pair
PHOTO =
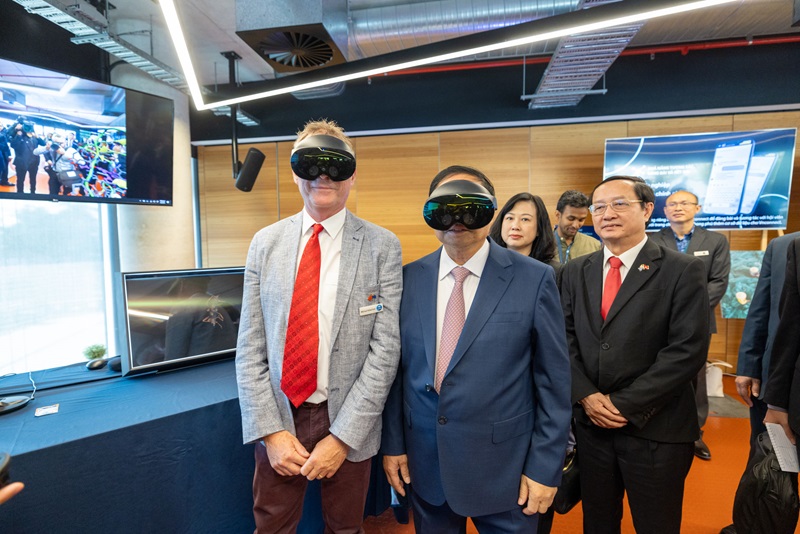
(563, 255)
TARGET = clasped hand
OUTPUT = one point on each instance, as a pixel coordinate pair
(288, 457)
(602, 411)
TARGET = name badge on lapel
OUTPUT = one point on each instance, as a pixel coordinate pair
(701, 253)
(367, 310)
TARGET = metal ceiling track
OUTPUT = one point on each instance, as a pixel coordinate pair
(579, 62)
(88, 26)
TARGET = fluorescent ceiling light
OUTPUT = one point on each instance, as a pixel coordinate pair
(649, 9)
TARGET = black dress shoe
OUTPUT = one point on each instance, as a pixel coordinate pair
(701, 450)
(730, 529)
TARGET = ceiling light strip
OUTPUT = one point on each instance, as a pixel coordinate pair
(173, 23)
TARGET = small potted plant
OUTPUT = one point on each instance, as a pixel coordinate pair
(95, 353)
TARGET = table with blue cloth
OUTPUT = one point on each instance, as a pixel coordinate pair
(152, 453)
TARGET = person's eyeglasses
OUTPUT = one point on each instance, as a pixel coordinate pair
(619, 205)
(684, 204)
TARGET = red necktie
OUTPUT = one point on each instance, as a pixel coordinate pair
(613, 281)
(299, 378)
(454, 317)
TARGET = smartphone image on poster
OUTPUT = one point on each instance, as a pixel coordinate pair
(757, 174)
(727, 178)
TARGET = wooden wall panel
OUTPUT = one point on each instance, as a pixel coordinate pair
(502, 155)
(231, 217)
(289, 196)
(394, 173)
(569, 157)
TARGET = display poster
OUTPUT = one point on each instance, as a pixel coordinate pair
(742, 179)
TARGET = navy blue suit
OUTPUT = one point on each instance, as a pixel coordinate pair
(758, 336)
(504, 406)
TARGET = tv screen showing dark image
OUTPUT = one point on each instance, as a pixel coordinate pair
(180, 318)
(70, 139)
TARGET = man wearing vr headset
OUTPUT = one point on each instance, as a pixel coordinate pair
(478, 416)
(318, 343)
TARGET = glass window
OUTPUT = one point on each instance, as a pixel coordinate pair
(52, 284)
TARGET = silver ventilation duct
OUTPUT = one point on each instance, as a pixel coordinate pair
(380, 30)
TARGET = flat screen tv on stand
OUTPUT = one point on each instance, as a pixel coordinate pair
(78, 140)
(175, 319)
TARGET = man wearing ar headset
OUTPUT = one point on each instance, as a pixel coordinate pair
(477, 419)
(318, 343)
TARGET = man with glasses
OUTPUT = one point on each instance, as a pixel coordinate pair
(572, 210)
(637, 325)
(713, 249)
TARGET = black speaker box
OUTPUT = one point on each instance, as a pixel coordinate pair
(249, 171)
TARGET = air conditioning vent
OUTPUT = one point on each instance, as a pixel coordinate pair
(292, 49)
(296, 50)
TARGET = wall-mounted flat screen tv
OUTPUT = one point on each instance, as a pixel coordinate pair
(180, 318)
(741, 179)
(72, 139)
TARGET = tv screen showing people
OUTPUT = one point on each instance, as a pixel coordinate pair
(67, 138)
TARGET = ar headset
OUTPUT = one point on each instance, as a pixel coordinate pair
(459, 201)
(323, 154)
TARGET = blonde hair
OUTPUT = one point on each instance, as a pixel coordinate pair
(324, 127)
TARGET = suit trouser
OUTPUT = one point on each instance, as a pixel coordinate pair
(652, 473)
(278, 500)
(701, 393)
(757, 426)
(441, 519)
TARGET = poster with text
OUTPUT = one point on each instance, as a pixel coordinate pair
(742, 179)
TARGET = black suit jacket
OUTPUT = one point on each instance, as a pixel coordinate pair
(715, 253)
(784, 374)
(650, 346)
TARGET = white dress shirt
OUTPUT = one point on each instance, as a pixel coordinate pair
(447, 282)
(330, 246)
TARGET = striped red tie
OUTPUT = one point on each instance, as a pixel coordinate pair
(299, 378)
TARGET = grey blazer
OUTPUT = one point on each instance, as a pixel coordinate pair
(365, 350)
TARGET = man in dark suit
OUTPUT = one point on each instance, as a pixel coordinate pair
(783, 396)
(637, 324)
(713, 249)
(485, 436)
(758, 336)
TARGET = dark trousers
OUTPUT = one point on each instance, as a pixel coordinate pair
(31, 170)
(701, 393)
(278, 500)
(757, 414)
(701, 398)
(3, 169)
(52, 181)
(430, 518)
(652, 474)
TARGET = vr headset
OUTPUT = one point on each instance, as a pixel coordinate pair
(459, 201)
(323, 154)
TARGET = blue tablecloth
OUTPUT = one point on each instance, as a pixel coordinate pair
(146, 454)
